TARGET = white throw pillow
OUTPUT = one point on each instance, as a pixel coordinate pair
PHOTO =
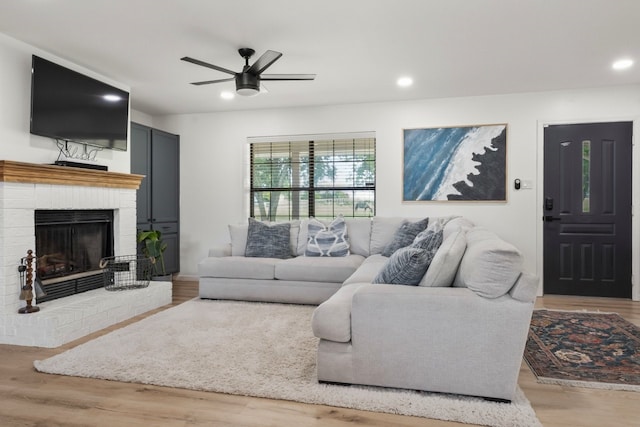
(328, 240)
(444, 265)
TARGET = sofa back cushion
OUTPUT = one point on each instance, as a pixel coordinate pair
(382, 231)
(490, 266)
(446, 261)
(359, 235)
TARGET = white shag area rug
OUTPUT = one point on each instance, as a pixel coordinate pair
(256, 349)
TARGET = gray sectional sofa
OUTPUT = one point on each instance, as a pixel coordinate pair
(461, 330)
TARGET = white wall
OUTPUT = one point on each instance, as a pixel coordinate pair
(213, 157)
(16, 143)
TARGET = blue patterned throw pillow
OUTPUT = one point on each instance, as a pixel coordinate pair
(268, 241)
(429, 240)
(405, 267)
(404, 236)
(328, 240)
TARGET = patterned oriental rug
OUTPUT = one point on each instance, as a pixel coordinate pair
(583, 349)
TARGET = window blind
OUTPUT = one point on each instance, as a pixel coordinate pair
(316, 176)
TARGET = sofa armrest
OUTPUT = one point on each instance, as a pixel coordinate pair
(220, 250)
(331, 320)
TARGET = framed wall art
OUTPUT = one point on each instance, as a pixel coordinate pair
(465, 163)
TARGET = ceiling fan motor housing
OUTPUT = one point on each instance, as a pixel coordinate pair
(247, 84)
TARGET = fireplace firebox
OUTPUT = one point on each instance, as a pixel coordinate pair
(69, 247)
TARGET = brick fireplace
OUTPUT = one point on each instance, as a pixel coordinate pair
(26, 188)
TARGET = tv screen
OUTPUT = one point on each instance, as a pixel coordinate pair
(70, 106)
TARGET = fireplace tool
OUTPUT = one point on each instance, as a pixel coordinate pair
(27, 284)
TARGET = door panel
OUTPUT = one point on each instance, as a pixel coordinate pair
(587, 211)
(141, 164)
(165, 188)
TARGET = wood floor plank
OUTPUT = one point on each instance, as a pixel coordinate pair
(29, 398)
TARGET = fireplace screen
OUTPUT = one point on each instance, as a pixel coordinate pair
(69, 245)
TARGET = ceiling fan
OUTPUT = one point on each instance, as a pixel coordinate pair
(248, 80)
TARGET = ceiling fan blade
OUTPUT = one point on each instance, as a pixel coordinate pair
(206, 64)
(288, 77)
(208, 82)
(264, 62)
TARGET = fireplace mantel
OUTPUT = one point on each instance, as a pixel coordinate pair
(32, 173)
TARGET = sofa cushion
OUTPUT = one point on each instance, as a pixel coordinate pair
(327, 241)
(268, 241)
(331, 320)
(382, 230)
(405, 267)
(454, 224)
(359, 235)
(238, 235)
(318, 269)
(446, 261)
(490, 266)
(404, 235)
(238, 267)
(368, 270)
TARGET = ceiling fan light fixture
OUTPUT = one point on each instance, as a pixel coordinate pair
(247, 84)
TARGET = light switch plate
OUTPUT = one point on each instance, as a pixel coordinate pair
(526, 184)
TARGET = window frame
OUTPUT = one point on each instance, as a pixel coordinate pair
(360, 151)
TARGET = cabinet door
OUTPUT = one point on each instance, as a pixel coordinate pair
(172, 254)
(165, 177)
(141, 164)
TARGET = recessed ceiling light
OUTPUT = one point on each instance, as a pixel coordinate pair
(622, 64)
(405, 81)
(227, 95)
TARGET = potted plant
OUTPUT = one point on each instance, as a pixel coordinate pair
(153, 248)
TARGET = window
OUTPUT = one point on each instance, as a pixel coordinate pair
(315, 176)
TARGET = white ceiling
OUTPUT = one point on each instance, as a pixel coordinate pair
(357, 48)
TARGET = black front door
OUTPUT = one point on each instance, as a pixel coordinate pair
(587, 209)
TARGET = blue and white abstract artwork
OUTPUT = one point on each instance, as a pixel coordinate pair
(455, 163)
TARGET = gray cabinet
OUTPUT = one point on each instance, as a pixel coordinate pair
(156, 154)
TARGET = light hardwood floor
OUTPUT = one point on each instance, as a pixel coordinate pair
(29, 398)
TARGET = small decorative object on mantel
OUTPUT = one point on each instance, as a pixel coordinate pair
(26, 287)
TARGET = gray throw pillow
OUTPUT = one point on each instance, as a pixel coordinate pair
(405, 267)
(404, 236)
(429, 240)
(268, 241)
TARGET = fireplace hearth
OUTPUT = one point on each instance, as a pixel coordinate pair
(69, 247)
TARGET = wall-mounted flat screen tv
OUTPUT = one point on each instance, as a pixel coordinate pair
(70, 106)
